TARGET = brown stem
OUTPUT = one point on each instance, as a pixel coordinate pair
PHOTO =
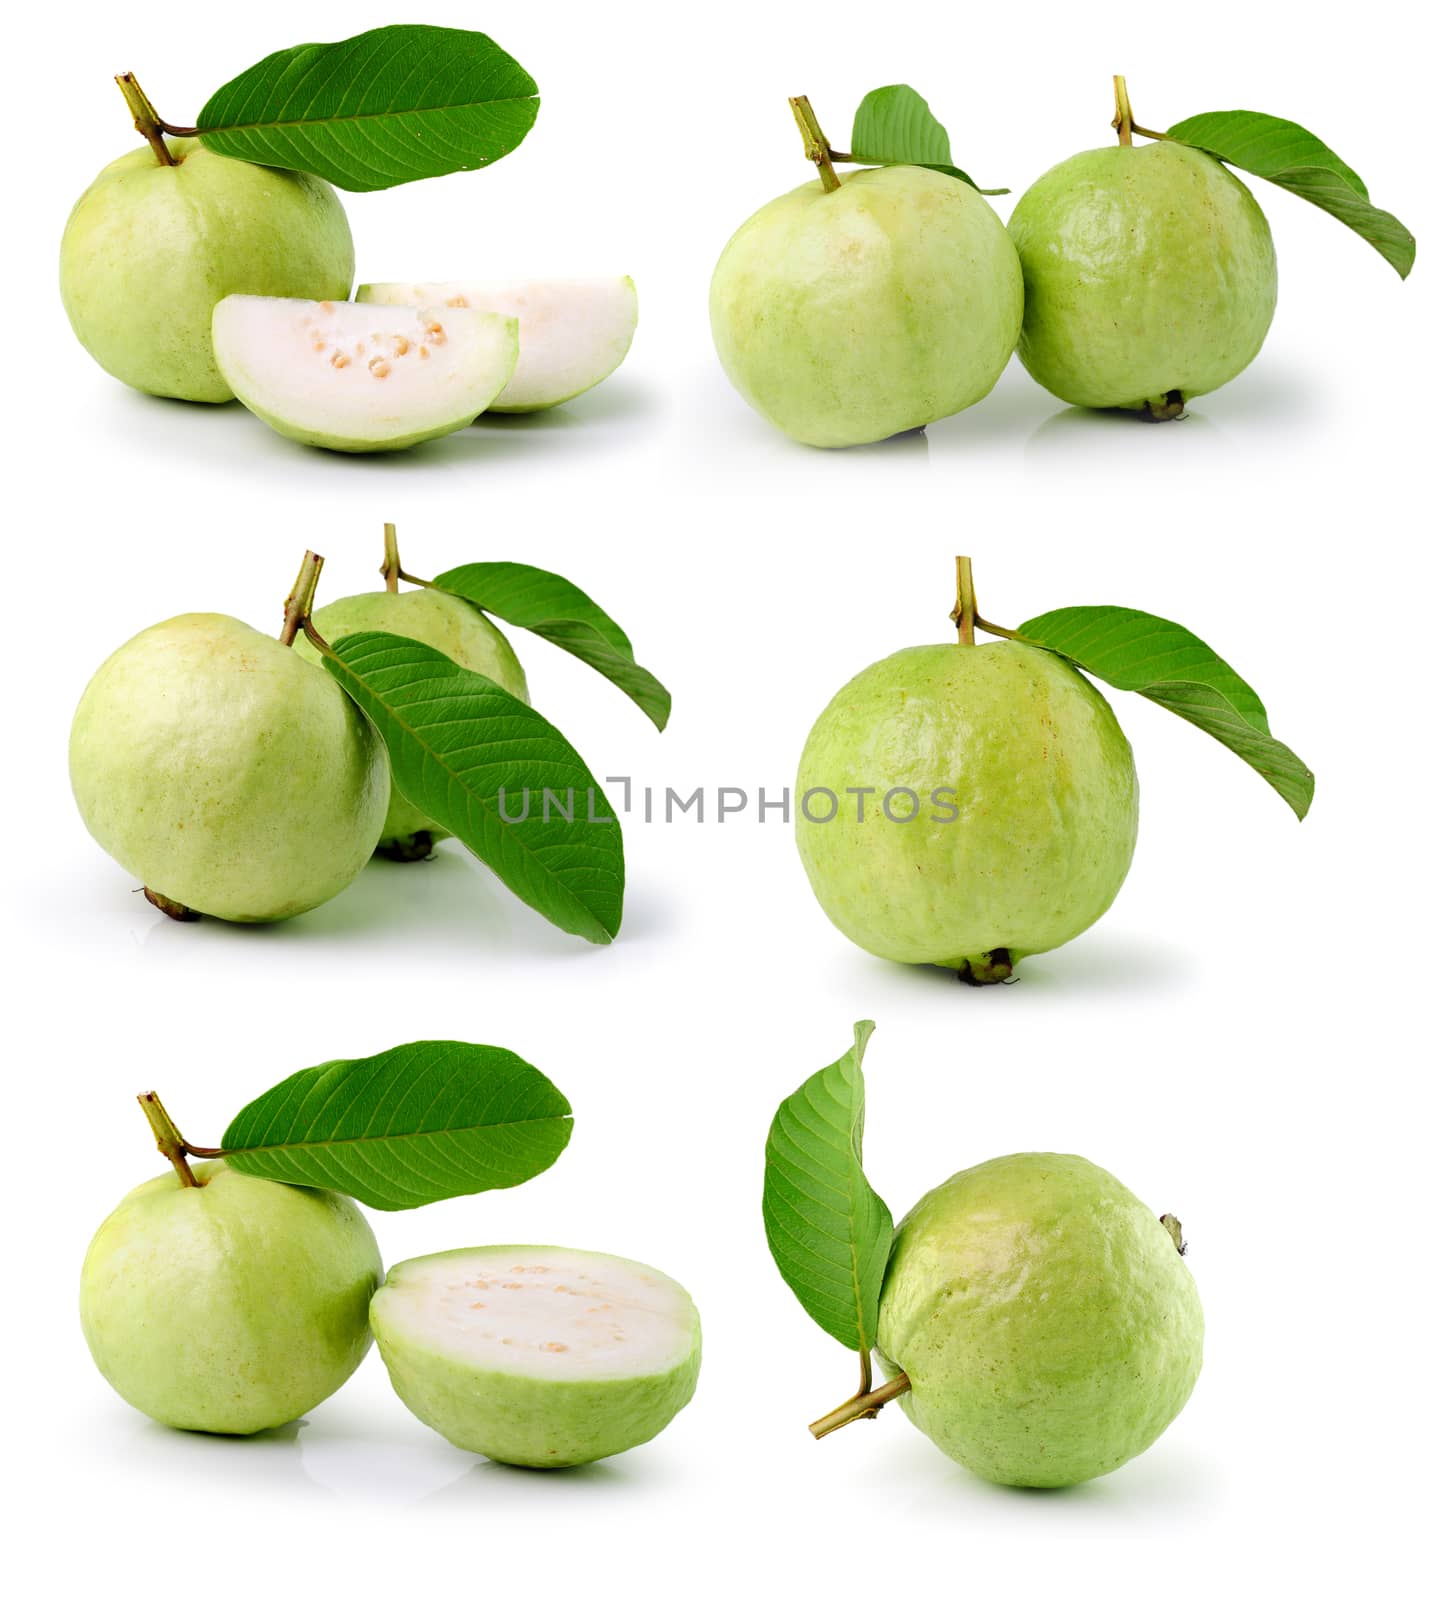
(861, 1405)
(168, 1141)
(1122, 111)
(314, 637)
(298, 609)
(1001, 633)
(964, 613)
(143, 116)
(818, 147)
(392, 567)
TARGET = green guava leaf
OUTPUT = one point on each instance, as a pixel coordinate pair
(495, 774)
(894, 127)
(1174, 668)
(421, 1122)
(390, 106)
(828, 1229)
(556, 610)
(1291, 156)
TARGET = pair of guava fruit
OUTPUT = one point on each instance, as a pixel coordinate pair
(966, 806)
(236, 1304)
(231, 774)
(1041, 1320)
(211, 278)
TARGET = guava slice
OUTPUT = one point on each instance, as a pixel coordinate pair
(536, 1356)
(355, 377)
(573, 332)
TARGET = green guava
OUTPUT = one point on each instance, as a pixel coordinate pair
(1000, 811)
(1048, 1325)
(231, 1307)
(886, 304)
(447, 623)
(1149, 275)
(361, 378)
(573, 332)
(535, 1356)
(149, 250)
(228, 774)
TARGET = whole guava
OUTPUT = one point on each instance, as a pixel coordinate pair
(450, 625)
(537, 1356)
(886, 304)
(1047, 1323)
(966, 806)
(149, 251)
(228, 774)
(230, 1307)
(1149, 274)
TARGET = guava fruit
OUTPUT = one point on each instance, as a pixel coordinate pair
(1149, 275)
(228, 774)
(1047, 1323)
(848, 316)
(230, 1307)
(344, 376)
(573, 332)
(536, 1356)
(447, 623)
(150, 249)
(1000, 814)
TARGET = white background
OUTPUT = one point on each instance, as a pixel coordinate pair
(1247, 1038)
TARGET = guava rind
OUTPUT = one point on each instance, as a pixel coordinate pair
(573, 332)
(882, 306)
(225, 772)
(232, 1307)
(447, 623)
(524, 1420)
(1048, 1325)
(149, 251)
(1045, 786)
(1148, 271)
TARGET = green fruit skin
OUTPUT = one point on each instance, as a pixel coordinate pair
(149, 251)
(1147, 270)
(232, 1307)
(1048, 1325)
(226, 772)
(525, 1421)
(450, 625)
(887, 304)
(1045, 785)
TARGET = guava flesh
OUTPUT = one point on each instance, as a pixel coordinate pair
(1150, 277)
(1049, 1327)
(228, 774)
(149, 250)
(360, 378)
(449, 624)
(1041, 777)
(573, 332)
(884, 305)
(535, 1356)
(231, 1307)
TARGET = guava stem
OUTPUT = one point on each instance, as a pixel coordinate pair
(1175, 1232)
(168, 1141)
(861, 1405)
(392, 566)
(144, 118)
(964, 613)
(1001, 633)
(1122, 111)
(299, 603)
(818, 147)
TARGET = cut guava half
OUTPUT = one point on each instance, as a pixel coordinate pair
(573, 332)
(536, 1356)
(355, 377)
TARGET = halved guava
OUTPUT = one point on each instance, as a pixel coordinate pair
(361, 377)
(573, 332)
(537, 1356)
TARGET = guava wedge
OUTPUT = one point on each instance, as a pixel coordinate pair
(573, 332)
(535, 1356)
(344, 376)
